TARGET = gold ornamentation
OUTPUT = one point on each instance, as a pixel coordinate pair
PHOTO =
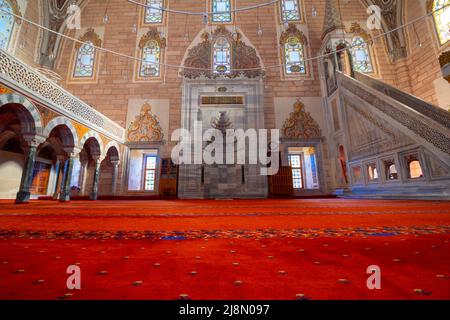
(292, 32)
(153, 34)
(430, 6)
(81, 130)
(242, 57)
(300, 124)
(16, 10)
(444, 60)
(91, 36)
(357, 30)
(145, 127)
(5, 90)
(46, 115)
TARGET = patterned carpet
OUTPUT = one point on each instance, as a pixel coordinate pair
(265, 249)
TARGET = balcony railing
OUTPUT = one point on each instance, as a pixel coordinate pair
(29, 82)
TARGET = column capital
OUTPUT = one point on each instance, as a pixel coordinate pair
(61, 157)
(72, 152)
(115, 163)
(97, 158)
(33, 140)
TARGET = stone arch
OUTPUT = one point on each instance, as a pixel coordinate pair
(29, 113)
(96, 137)
(58, 121)
(110, 145)
(197, 59)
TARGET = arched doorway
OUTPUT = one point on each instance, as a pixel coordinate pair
(19, 126)
(90, 159)
(109, 168)
(61, 140)
(343, 164)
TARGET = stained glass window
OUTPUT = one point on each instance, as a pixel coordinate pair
(290, 10)
(222, 56)
(151, 54)
(6, 24)
(221, 10)
(84, 65)
(150, 173)
(295, 161)
(153, 14)
(442, 19)
(294, 57)
(361, 56)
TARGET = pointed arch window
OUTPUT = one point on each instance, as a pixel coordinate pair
(293, 51)
(221, 11)
(361, 55)
(86, 57)
(441, 15)
(151, 57)
(294, 57)
(151, 48)
(85, 62)
(222, 56)
(6, 24)
(154, 13)
(290, 10)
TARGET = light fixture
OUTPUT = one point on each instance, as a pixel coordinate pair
(259, 32)
(418, 41)
(106, 16)
(235, 33)
(134, 26)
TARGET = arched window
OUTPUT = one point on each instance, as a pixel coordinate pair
(151, 57)
(84, 65)
(361, 56)
(294, 57)
(151, 47)
(221, 10)
(153, 14)
(293, 43)
(6, 24)
(442, 19)
(290, 10)
(222, 56)
(86, 56)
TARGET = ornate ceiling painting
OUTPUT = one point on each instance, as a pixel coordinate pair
(242, 57)
(300, 124)
(392, 17)
(145, 127)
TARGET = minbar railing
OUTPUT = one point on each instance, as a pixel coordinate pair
(427, 123)
(437, 114)
(29, 82)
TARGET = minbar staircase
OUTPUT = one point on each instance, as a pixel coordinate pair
(407, 126)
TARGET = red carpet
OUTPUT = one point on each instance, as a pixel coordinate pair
(267, 249)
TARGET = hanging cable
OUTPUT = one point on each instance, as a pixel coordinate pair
(206, 12)
(212, 70)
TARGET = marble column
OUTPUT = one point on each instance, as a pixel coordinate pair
(23, 196)
(59, 175)
(82, 179)
(94, 193)
(67, 177)
(115, 173)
